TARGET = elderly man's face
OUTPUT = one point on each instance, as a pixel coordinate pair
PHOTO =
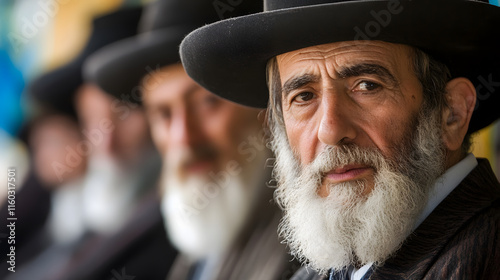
(123, 138)
(49, 139)
(184, 117)
(344, 93)
(211, 172)
(358, 153)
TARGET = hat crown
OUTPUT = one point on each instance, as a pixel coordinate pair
(112, 27)
(271, 5)
(174, 13)
(57, 88)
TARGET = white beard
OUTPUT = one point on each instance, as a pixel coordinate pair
(109, 193)
(65, 223)
(346, 228)
(204, 217)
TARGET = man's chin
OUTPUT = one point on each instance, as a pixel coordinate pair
(351, 225)
(345, 194)
(203, 218)
(185, 212)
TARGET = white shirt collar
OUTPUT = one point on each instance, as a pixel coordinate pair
(442, 188)
(446, 184)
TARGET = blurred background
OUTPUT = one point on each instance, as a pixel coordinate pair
(37, 36)
(58, 235)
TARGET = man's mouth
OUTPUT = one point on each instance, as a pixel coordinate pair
(348, 173)
(199, 166)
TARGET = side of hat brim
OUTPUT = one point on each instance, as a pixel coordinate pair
(229, 57)
(119, 68)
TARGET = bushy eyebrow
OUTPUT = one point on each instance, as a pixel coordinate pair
(367, 69)
(343, 73)
(298, 82)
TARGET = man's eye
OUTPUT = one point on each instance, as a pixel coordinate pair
(303, 97)
(211, 101)
(367, 86)
(164, 114)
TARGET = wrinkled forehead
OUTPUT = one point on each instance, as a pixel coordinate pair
(333, 56)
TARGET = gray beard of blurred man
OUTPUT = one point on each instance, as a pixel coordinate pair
(203, 216)
(346, 228)
(109, 194)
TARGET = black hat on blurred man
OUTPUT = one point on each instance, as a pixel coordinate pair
(119, 68)
(55, 90)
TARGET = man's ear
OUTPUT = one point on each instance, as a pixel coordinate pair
(461, 99)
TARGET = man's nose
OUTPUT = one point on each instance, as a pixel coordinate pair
(337, 120)
(185, 130)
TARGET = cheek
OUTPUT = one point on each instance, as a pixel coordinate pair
(218, 130)
(159, 134)
(54, 149)
(134, 126)
(231, 128)
(391, 131)
(302, 137)
(49, 153)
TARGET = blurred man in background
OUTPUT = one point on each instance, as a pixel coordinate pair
(53, 132)
(121, 158)
(108, 222)
(214, 200)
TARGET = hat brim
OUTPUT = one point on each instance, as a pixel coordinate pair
(119, 68)
(229, 57)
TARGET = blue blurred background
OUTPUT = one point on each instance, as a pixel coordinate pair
(37, 36)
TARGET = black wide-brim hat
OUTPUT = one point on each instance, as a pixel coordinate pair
(56, 89)
(119, 68)
(229, 57)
